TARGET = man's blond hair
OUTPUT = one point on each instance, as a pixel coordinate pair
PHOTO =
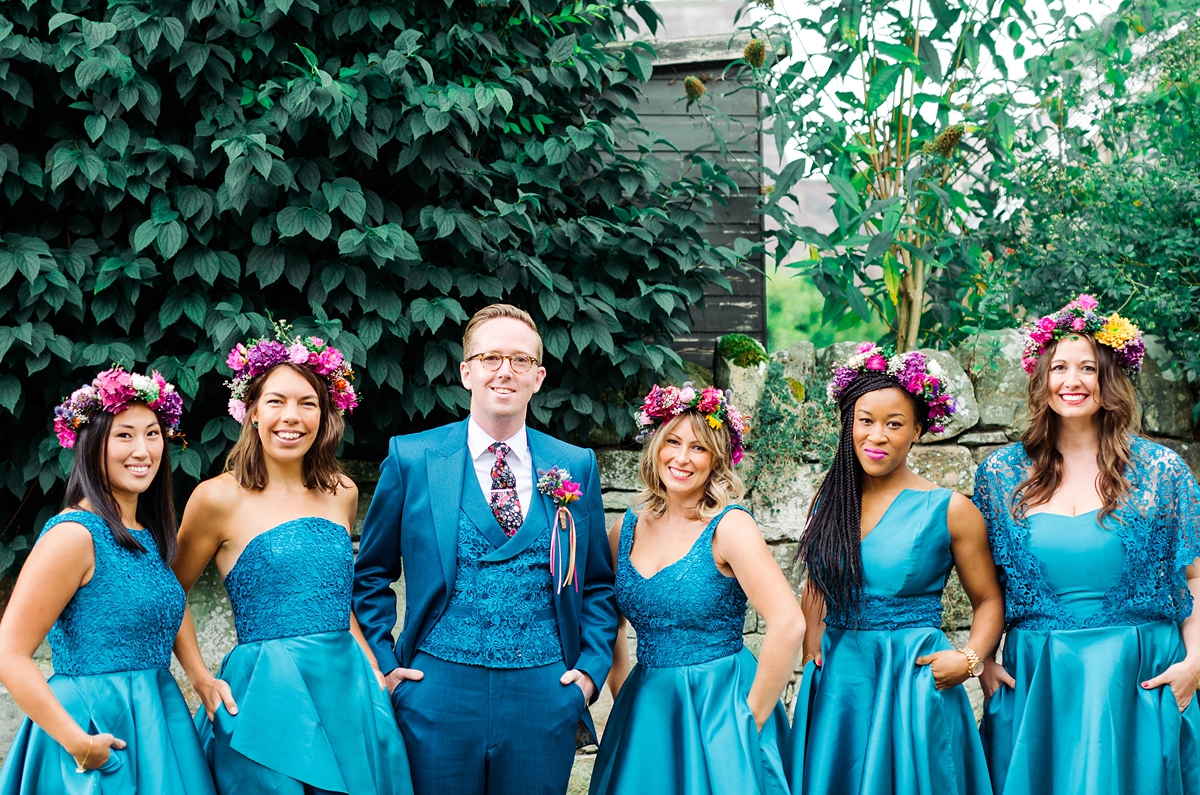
(491, 312)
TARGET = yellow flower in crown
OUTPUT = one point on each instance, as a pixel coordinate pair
(1117, 332)
(713, 421)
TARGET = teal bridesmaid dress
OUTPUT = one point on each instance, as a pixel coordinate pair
(111, 650)
(1093, 610)
(681, 724)
(870, 721)
(312, 717)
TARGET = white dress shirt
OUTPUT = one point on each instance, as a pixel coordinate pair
(519, 460)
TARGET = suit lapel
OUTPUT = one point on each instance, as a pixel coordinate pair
(445, 495)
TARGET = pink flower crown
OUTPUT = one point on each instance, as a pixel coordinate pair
(920, 376)
(262, 354)
(666, 403)
(1080, 317)
(112, 391)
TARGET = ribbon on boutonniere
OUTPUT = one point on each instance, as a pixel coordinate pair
(556, 484)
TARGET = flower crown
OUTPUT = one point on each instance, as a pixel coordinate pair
(666, 403)
(1080, 317)
(262, 354)
(112, 391)
(920, 376)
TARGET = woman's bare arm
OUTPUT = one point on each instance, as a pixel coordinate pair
(61, 563)
(739, 545)
(621, 666)
(200, 536)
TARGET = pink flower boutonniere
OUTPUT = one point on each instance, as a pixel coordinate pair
(556, 484)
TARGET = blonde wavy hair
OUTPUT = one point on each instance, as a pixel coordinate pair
(724, 486)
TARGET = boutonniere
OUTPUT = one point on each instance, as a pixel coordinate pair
(556, 484)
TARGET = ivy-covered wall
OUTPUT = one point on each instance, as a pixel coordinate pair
(175, 173)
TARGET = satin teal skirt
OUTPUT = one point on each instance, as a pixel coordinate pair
(310, 714)
(870, 721)
(689, 731)
(143, 708)
(1078, 720)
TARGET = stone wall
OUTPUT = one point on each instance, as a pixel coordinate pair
(986, 375)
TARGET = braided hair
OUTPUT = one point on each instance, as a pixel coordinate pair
(832, 541)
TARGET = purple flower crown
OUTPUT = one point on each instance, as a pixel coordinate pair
(666, 403)
(313, 353)
(920, 376)
(112, 391)
(1080, 317)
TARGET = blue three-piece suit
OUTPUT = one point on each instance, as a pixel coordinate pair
(483, 620)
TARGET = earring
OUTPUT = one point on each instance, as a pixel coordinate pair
(255, 425)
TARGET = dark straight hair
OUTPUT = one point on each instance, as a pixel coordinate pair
(89, 480)
(831, 544)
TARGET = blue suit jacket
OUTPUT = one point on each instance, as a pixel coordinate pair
(412, 525)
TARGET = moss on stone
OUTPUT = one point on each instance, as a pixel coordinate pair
(741, 350)
(797, 389)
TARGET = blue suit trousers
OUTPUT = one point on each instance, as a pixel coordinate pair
(472, 730)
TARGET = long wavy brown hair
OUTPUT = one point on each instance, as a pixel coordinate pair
(321, 469)
(1118, 420)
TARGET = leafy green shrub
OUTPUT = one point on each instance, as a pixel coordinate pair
(793, 424)
(1113, 208)
(178, 172)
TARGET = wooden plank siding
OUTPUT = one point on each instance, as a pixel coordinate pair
(665, 114)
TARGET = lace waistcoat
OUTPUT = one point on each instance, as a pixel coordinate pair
(687, 613)
(126, 617)
(501, 614)
(1158, 522)
(292, 580)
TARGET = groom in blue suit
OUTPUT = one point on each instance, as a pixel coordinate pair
(495, 664)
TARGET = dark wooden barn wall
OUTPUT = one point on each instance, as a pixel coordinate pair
(665, 114)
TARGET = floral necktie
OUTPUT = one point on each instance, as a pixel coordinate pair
(504, 501)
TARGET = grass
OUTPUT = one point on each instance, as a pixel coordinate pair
(794, 314)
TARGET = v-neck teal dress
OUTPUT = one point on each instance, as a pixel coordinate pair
(681, 724)
(870, 721)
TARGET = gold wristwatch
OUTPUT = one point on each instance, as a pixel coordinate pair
(974, 664)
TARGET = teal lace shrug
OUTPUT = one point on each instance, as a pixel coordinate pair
(1158, 521)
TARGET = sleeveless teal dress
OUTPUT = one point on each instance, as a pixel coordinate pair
(111, 649)
(1092, 611)
(870, 721)
(681, 724)
(311, 718)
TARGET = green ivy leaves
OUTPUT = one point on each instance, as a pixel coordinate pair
(373, 174)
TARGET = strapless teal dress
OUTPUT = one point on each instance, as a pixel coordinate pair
(870, 721)
(112, 654)
(681, 724)
(311, 716)
(1078, 720)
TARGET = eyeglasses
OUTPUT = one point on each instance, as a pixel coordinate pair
(519, 362)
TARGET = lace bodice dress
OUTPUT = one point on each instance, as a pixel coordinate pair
(681, 723)
(687, 613)
(870, 721)
(111, 651)
(311, 716)
(1093, 610)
